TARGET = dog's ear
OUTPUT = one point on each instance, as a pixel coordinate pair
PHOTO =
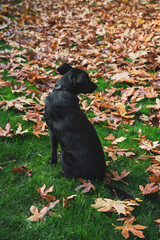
(64, 68)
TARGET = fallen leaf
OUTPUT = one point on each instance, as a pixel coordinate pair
(87, 185)
(149, 188)
(67, 200)
(134, 229)
(110, 137)
(40, 128)
(45, 195)
(37, 215)
(22, 169)
(121, 139)
(117, 177)
(149, 145)
(107, 205)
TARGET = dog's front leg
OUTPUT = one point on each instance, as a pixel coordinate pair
(54, 145)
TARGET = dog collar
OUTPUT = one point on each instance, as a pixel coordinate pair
(58, 87)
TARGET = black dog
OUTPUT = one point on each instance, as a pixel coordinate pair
(82, 155)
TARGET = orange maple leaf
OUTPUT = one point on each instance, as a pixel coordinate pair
(131, 228)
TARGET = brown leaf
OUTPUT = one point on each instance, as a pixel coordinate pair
(116, 177)
(45, 195)
(110, 137)
(121, 139)
(8, 132)
(19, 130)
(22, 169)
(155, 168)
(134, 229)
(40, 129)
(149, 145)
(113, 150)
(37, 215)
(87, 185)
(4, 83)
(149, 188)
(154, 179)
(67, 200)
(107, 205)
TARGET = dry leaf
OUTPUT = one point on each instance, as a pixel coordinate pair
(87, 185)
(107, 205)
(22, 169)
(40, 215)
(67, 200)
(116, 176)
(37, 215)
(121, 139)
(149, 188)
(134, 229)
(45, 195)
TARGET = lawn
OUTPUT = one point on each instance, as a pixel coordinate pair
(117, 43)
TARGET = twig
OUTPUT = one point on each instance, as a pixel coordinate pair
(115, 194)
(124, 182)
(8, 162)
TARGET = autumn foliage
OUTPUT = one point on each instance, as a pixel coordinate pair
(117, 43)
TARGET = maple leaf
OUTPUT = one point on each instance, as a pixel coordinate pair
(40, 215)
(107, 205)
(37, 215)
(113, 150)
(18, 103)
(155, 168)
(154, 178)
(4, 83)
(33, 115)
(45, 195)
(40, 129)
(121, 139)
(134, 229)
(149, 188)
(116, 177)
(149, 145)
(87, 185)
(8, 132)
(67, 200)
(110, 137)
(19, 130)
(22, 169)
(155, 106)
(155, 159)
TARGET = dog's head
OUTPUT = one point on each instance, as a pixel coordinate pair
(75, 80)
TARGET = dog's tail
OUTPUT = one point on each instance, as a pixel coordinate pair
(64, 68)
(122, 194)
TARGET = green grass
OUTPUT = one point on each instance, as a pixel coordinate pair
(80, 221)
